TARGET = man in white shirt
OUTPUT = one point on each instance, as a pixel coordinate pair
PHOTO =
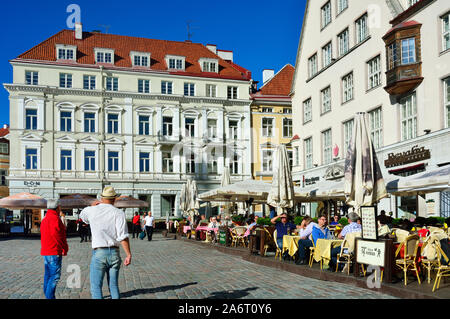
(149, 224)
(109, 231)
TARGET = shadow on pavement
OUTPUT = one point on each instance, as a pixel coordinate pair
(231, 294)
(154, 290)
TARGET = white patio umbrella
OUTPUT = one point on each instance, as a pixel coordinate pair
(194, 204)
(281, 193)
(363, 180)
(185, 198)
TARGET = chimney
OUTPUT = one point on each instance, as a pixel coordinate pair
(5, 126)
(78, 31)
(226, 55)
(267, 75)
(212, 48)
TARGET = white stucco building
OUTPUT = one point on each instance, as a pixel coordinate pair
(390, 59)
(91, 109)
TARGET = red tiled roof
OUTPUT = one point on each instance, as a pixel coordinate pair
(402, 25)
(123, 45)
(4, 131)
(280, 84)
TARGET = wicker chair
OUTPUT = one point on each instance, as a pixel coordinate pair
(278, 251)
(237, 235)
(408, 262)
(346, 254)
(442, 270)
(311, 254)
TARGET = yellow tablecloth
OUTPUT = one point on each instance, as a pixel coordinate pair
(323, 249)
(290, 243)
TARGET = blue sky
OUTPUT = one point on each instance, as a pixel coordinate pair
(262, 34)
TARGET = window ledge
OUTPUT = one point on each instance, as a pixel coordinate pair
(444, 52)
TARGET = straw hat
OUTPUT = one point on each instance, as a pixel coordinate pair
(109, 193)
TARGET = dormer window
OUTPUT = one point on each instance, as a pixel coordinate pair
(66, 52)
(175, 62)
(140, 59)
(104, 56)
(209, 65)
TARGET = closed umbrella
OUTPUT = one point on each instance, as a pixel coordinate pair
(184, 198)
(130, 202)
(23, 201)
(281, 193)
(76, 201)
(363, 180)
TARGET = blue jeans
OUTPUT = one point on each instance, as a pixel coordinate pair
(105, 261)
(303, 248)
(52, 265)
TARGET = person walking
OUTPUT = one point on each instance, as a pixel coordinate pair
(149, 225)
(53, 247)
(136, 225)
(109, 231)
(82, 230)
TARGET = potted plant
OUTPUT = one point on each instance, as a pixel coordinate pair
(238, 219)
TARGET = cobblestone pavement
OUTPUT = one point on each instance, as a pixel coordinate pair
(164, 269)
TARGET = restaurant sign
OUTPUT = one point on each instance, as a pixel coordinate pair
(370, 252)
(414, 155)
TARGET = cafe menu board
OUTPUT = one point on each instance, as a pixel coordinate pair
(369, 223)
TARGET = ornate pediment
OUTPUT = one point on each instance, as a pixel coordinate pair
(334, 172)
(65, 139)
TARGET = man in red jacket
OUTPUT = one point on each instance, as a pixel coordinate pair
(53, 246)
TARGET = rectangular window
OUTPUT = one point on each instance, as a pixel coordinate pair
(3, 175)
(327, 147)
(31, 78)
(267, 110)
(232, 92)
(65, 80)
(113, 161)
(144, 162)
(234, 164)
(212, 128)
(408, 51)
(412, 2)
(307, 111)
(166, 87)
(211, 90)
(65, 54)
(144, 86)
(144, 125)
(4, 148)
(362, 31)
(287, 110)
(343, 42)
(326, 14)
(189, 89)
(409, 117)
(347, 88)
(267, 127)
(312, 65)
(89, 161)
(66, 160)
(376, 128)
(308, 153)
(392, 55)
(267, 160)
(327, 55)
(31, 119)
(348, 130)
(31, 158)
(141, 60)
(446, 32)
(167, 126)
(190, 163)
(66, 122)
(113, 123)
(104, 57)
(167, 162)
(112, 84)
(209, 66)
(89, 122)
(213, 163)
(233, 129)
(341, 5)
(287, 128)
(89, 82)
(326, 100)
(297, 156)
(176, 64)
(290, 155)
(374, 72)
(447, 100)
(189, 125)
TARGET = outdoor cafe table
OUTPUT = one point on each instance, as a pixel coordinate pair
(323, 249)
(290, 243)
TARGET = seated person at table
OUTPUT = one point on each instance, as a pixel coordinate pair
(251, 225)
(353, 227)
(306, 227)
(335, 221)
(282, 227)
(319, 230)
(213, 224)
(383, 229)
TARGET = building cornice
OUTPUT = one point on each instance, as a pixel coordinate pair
(49, 90)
